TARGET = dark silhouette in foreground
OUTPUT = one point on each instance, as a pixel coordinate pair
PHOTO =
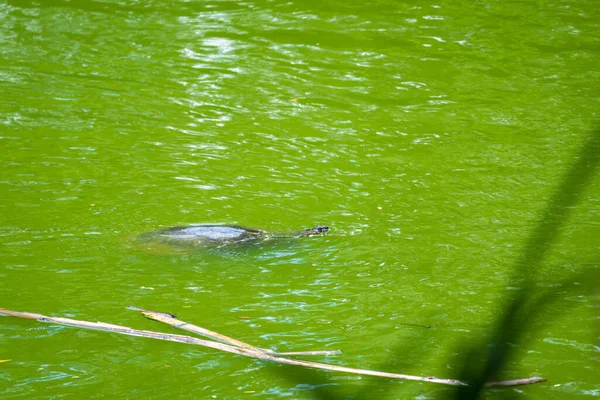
(487, 359)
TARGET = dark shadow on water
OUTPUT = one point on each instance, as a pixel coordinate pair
(273, 254)
(372, 387)
(151, 243)
(486, 360)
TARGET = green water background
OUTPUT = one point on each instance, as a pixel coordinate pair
(430, 135)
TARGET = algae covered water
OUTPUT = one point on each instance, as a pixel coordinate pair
(431, 138)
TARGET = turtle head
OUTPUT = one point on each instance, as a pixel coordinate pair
(314, 231)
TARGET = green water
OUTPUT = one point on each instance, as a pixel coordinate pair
(429, 137)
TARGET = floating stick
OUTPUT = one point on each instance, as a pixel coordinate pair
(515, 382)
(250, 353)
(172, 320)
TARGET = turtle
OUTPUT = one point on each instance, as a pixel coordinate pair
(211, 234)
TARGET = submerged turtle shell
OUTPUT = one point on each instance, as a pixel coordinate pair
(217, 235)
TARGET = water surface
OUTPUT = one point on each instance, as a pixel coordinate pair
(428, 137)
